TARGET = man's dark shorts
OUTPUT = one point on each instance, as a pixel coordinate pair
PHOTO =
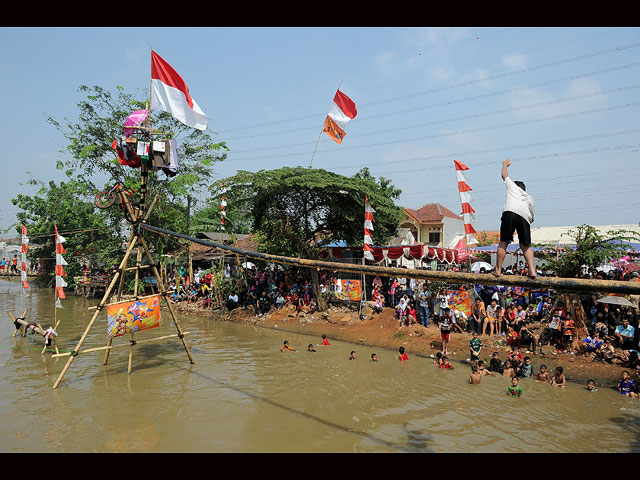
(510, 222)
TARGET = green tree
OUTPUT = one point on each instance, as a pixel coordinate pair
(591, 251)
(295, 211)
(91, 165)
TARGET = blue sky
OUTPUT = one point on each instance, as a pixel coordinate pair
(562, 103)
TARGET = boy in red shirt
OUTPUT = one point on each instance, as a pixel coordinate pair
(403, 355)
(324, 339)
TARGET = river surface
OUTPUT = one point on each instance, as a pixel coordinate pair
(244, 395)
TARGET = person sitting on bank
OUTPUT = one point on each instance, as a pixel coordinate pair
(232, 301)
(517, 215)
(624, 334)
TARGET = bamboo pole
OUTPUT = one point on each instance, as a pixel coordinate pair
(107, 347)
(168, 303)
(131, 344)
(554, 283)
(21, 321)
(95, 315)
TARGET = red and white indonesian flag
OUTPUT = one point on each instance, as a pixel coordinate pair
(171, 94)
(465, 197)
(341, 112)
(368, 228)
(23, 266)
(60, 262)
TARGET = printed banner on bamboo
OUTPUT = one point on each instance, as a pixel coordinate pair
(350, 290)
(127, 317)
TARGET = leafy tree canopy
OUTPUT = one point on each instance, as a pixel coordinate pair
(296, 209)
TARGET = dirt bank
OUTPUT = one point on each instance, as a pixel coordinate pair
(381, 331)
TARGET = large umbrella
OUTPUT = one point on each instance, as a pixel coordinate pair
(614, 300)
(475, 268)
(134, 119)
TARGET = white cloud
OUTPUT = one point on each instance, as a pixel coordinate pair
(515, 61)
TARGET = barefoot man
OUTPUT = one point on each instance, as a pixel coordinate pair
(517, 215)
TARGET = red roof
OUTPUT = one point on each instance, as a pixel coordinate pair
(431, 213)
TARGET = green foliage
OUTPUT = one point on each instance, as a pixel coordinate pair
(296, 210)
(592, 250)
(91, 166)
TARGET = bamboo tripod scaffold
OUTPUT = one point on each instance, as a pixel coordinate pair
(136, 241)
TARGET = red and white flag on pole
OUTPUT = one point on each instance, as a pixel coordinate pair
(341, 112)
(223, 206)
(465, 198)
(23, 266)
(60, 262)
(368, 228)
(171, 94)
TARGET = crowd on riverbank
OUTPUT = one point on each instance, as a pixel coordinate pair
(525, 319)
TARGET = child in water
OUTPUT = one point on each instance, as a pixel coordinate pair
(542, 375)
(508, 371)
(514, 390)
(626, 385)
(403, 355)
(475, 376)
(445, 365)
(374, 357)
(558, 379)
(324, 339)
(438, 360)
(285, 346)
(352, 356)
(310, 348)
(591, 385)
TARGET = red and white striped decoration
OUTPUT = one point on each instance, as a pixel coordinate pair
(465, 198)
(23, 267)
(368, 228)
(223, 206)
(60, 262)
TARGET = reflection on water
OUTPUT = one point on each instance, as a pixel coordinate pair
(244, 395)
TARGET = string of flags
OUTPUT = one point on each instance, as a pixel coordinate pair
(342, 111)
(60, 262)
(23, 266)
(223, 206)
(368, 228)
(465, 198)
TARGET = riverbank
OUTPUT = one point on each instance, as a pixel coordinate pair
(381, 331)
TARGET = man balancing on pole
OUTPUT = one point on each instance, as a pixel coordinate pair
(517, 215)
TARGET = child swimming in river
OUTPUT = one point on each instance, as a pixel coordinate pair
(403, 355)
(542, 375)
(514, 390)
(559, 379)
(286, 346)
(475, 376)
(324, 339)
(626, 385)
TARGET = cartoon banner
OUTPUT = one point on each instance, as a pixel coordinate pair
(350, 290)
(127, 317)
(460, 300)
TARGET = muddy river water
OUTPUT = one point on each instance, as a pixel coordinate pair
(244, 395)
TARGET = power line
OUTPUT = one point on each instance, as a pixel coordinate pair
(449, 87)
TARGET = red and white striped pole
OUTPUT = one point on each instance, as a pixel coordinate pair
(23, 266)
(465, 198)
(368, 228)
(60, 262)
(223, 206)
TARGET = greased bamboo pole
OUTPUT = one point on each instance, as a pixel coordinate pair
(554, 283)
